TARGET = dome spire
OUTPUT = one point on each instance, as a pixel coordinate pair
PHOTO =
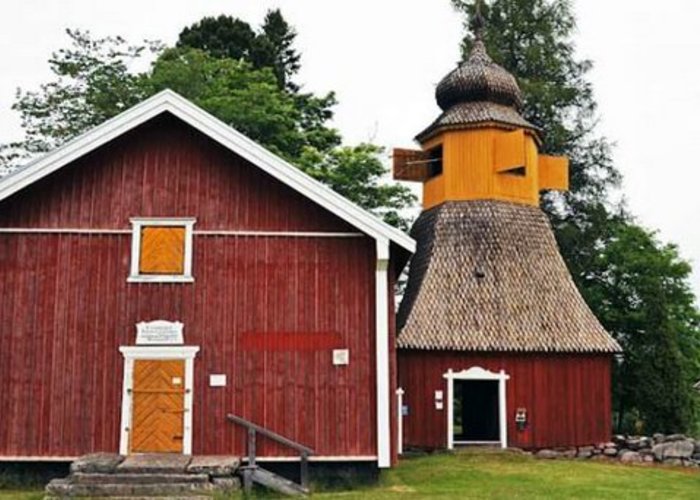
(478, 90)
(479, 22)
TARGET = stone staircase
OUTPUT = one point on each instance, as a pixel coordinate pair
(157, 475)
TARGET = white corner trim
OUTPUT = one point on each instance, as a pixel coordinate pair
(399, 424)
(137, 223)
(132, 353)
(477, 373)
(169, 101)
(382, 354)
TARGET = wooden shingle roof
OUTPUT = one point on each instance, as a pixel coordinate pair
(488, 276)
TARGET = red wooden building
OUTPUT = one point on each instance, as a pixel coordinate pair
(495, 343)
(162, 271)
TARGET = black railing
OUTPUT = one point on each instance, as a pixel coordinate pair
(253, 431)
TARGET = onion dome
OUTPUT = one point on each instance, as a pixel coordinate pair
(477, 92)
(478, 79)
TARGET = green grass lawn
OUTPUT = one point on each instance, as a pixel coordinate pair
(508, 475)
(481, 474)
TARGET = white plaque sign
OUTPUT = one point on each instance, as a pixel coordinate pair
(341, 357)
(159, 333)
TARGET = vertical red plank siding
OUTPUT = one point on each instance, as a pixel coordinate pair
(66, 305)
(567, 396)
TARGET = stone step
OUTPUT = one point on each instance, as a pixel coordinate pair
(276, 482)
(66, 488)
(154, 463)
(134, 478)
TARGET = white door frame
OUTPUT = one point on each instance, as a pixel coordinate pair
(477, 373)
(132, 353)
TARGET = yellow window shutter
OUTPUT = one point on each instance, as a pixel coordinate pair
(509, 152)
(162, 250)
(554, 172)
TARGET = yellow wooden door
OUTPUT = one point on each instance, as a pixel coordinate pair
(158, 398)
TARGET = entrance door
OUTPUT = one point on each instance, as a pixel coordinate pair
(158, 406)
(476, 415)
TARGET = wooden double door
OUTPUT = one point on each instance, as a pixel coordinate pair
(158, 406)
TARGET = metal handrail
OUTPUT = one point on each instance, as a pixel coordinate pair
(253, 430)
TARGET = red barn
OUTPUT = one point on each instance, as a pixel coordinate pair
(495, 344)
(162, 271)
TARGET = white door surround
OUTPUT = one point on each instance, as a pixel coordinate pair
(477, 373)
(132, 353)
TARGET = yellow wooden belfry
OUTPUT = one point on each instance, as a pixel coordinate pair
(480, 148)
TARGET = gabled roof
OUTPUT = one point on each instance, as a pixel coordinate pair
(169, 101)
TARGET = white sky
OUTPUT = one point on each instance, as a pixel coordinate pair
(384, 57)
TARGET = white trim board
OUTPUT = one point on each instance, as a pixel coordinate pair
(314, 458)
(382, 354)
(205, 232)
(132, 353)
(169, 101)
(477, 373)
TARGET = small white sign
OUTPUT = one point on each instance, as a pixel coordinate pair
(341, 357)
(177, 381)
(217, 380)
(438, 405)
(159, 332)
(438, 395)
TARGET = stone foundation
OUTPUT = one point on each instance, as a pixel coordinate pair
(673, 449)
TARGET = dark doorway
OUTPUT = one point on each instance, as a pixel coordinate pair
(476, 410)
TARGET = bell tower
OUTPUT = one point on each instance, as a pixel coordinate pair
(480, 147)
(488, 296)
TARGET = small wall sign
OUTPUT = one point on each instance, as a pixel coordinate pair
(341, 357)
(217, 380)
(159, 332)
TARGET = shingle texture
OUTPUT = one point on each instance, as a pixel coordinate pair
(488, 276)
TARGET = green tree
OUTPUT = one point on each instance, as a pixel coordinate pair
(222, 37)
(233, 38)
(533, 39)
(94, 81)
(357, 173)
(245, 98)
(641, 288)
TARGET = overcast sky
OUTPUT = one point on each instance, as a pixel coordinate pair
(384, 57)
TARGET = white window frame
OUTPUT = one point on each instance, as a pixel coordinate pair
(477, 373)
(137, 224)
(133, 353)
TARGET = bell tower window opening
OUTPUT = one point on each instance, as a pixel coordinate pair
(435, 161)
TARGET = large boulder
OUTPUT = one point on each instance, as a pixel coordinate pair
(610, 451)
(638, 443)
(674, 437)
(673, 449)
(548, 454)
(628, 456)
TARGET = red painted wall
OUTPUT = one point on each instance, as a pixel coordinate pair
(567, 397)
(66, 305)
